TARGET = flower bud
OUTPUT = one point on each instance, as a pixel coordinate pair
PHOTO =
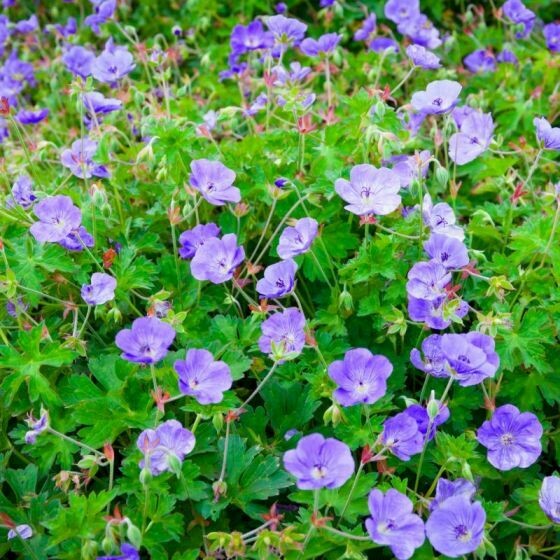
(107, 544)
(174, 464)
(87, 461)
(442, 176)
(345, 302)
(218, 422)
(332, 414)
(434, 406)
(145, 476)
(98, 195)
(466, 471)
(379, 110)
(134, 535)
(115, 314)
(408, 401)
(89, 549)
(220, 489)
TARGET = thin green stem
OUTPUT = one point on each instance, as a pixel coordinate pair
(258, 388)
(154, 377)
(350, 494)
(74, 441)
(400, 84)
(345, 535)
(85, 321)
(421, 460)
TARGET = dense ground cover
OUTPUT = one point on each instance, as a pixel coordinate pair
(279, 281)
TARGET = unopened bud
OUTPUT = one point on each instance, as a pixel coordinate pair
(442, 176)
(87, 461)
(220, 489)
(218, 422)
(134, 535)
(145, 476)
(333, 414)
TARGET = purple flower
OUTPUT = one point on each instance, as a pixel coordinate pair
(210, 119)
(128, 552)
(16, 306)
(551, 34)
(546, 134)
(18, 71)
(37, 427)
(281, 8)
(432, 312)
(473, 139)
(409, 168)
(214, 181)
(427, 280)
(446, 489)
(101, 290)
(298, 239)
(79, 159)
(279, 279)
(68, 29)
(361, 377)
(434, 362)
(58, 217)
(422, 57)
(319, 462)
(438, 98)
(368, 27)
(32, 117)
(203, 378)
(79, 61)
(250, 38)
(236, 68)
(412, 121)
(21, 193)
(549, 498)
(421, 31)
(370, 190)
(516, 11)
(459, 114)
(217, 259)
(448, 251)
(325, 45)
(96, 103)
(480, 60)
(456, 527)
(297, 73)
(147, 342)
(382, 44)
(77, 239)
(440, 218)
(507, 57)
(286, 31)
(470, 356)
(402, 10)
(165, 447)
(25, 26)
(392, 523)
(257, 105)
(283, 332)
(401, 436)
(113, 64)
(22, 531)
(420, 415)
(104, 11)
(192, 239)
(513, 438)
